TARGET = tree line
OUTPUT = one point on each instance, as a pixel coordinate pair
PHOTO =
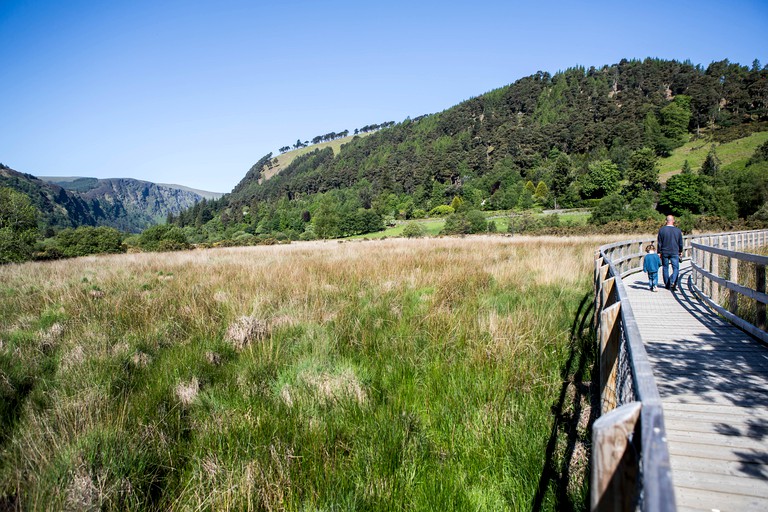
(328, 137)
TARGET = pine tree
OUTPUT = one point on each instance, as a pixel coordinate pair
(711, 164)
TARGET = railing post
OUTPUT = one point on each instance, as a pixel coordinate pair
(760, 287)
(609, 355)
(614, 478)
(714, 288)
(700, 276)
(733, 276)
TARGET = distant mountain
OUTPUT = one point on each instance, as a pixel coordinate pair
(204, 193)
(126, 204)
(59, 208)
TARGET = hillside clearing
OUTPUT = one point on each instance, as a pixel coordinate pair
(284, 159)
(696, 151)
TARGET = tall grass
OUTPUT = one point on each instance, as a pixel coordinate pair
(399, 374)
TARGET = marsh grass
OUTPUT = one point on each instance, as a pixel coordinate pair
(397, 374)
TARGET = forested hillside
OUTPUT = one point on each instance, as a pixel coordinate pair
(563, 140)
(56, 207)
(125, 204)
(144, 203)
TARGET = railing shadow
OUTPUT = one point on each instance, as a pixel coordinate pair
(568, 411)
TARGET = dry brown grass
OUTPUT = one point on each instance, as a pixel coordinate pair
(96, 317)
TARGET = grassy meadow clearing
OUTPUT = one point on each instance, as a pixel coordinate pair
(427, 374)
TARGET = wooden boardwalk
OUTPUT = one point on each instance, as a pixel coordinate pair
(713, 381)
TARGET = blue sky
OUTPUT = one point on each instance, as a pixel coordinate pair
(194, 92)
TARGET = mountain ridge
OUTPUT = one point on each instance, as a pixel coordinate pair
(123, 203)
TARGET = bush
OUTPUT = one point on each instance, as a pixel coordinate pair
(164, 237)
(18, 226)
(441, 210)
(610, 209)
(522, 223)
(685, 223)
(467, 223)
(87, 240)
(414, 230)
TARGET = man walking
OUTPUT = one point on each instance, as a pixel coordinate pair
(670, 244)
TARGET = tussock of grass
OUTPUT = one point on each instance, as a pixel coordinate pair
(401, 374)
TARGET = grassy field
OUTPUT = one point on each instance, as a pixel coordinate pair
(381, 375)
(696, 152)
(433, 226)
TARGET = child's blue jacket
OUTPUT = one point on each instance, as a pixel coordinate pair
(651, 262)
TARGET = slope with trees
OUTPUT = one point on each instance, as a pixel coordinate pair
(563, 140)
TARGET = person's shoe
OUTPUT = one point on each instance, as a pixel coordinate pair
(655, 290)
(674, 287)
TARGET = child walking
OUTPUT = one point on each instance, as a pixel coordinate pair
(651, 264)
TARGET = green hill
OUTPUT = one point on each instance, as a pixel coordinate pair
(563, 140)
(696, 151)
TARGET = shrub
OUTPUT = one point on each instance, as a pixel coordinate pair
(87, 240)
(441, 210)
(18, 226)
(522, 223)
(414, 230)
(172, 238)
(611, 208)
(685, 222)
(467, 223)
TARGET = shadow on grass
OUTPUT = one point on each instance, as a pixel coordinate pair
(567, 413)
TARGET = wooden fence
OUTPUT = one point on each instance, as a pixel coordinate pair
(716, 262)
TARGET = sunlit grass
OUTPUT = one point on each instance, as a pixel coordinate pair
(433, 226)
(397, 374)
(696, 152)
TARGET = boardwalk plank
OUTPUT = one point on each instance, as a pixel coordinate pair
(740, 442)
(702, 499)
(733, 468)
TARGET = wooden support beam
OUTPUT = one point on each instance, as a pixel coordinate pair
(607, 295)
(609, 354)
(714, 288)
(615, 462)
(733, 276)
(760, 287)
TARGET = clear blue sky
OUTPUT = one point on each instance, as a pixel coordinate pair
(194, 92)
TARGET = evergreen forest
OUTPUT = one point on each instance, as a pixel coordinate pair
(583, 137)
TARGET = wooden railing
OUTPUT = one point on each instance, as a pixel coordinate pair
(716, 260)
(630, 457)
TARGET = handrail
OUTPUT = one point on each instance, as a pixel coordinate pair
(635, 471)
(709, 284)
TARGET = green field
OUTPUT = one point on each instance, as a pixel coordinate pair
(381, 375)
(433, 226)
(696, 152)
